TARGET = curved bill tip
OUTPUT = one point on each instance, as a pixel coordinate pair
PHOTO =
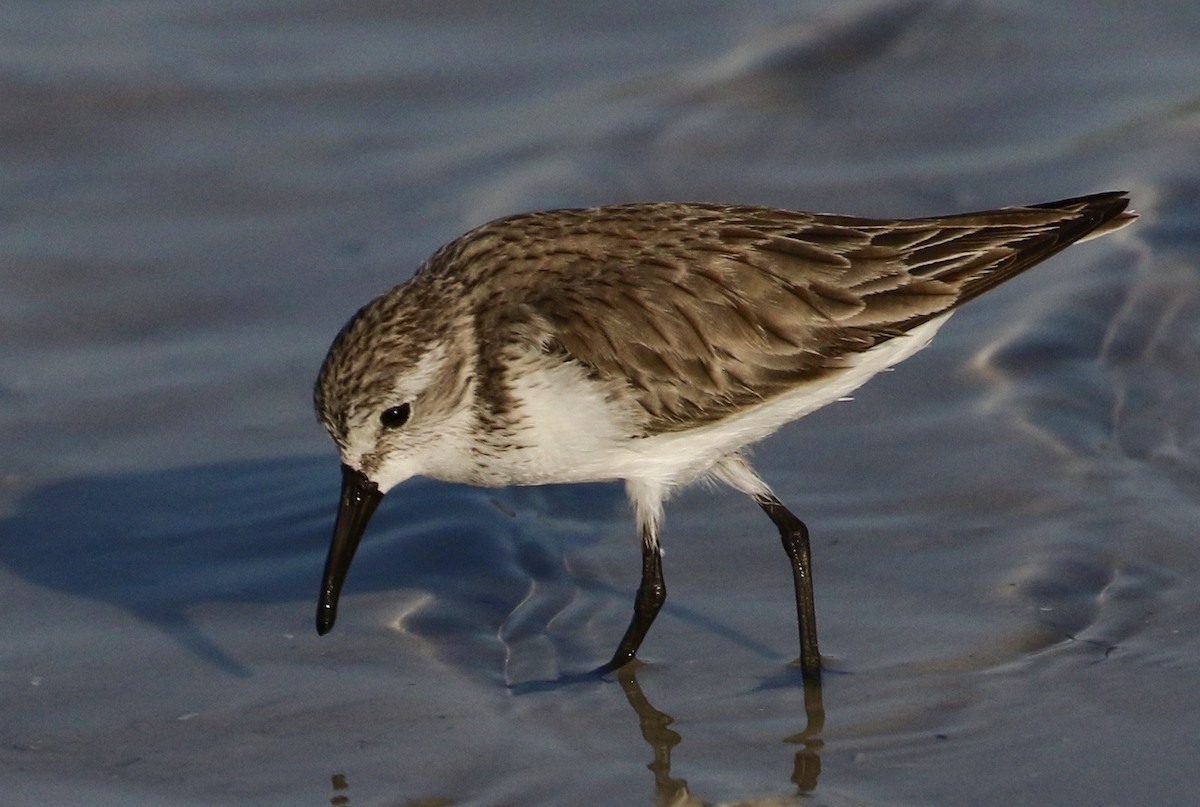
(360, 497)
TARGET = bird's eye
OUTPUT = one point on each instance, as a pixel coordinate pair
(395, 417)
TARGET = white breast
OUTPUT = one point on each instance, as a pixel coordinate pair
(575, 433)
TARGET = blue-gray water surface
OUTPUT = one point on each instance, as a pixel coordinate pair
(196, 195)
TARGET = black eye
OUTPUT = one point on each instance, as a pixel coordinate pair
(395, 417)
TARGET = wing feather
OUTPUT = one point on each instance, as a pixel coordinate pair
(700, 310)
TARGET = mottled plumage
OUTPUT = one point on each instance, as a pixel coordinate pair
(650, 343)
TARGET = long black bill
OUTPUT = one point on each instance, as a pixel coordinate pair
(360, 497)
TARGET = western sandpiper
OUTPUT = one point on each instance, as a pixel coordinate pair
(650, 343)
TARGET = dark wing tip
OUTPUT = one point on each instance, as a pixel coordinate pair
(1108, 211)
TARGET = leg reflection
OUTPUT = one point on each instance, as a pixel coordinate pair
(656, 731)
(807, 766)
(658, 736)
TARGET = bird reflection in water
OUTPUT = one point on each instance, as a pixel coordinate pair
(662, 739)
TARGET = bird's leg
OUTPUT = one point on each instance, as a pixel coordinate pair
(794, 535)
(651, 594)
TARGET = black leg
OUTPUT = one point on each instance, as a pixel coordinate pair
(651, 595)
(794, 535)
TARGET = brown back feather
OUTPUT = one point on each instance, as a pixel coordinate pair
(735, 305)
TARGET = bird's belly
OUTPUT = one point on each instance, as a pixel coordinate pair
(695, 451)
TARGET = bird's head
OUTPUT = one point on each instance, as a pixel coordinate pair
(393, 393)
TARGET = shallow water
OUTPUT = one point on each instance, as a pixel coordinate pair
(196, 196)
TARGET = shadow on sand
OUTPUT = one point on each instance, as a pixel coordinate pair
(159, 543)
